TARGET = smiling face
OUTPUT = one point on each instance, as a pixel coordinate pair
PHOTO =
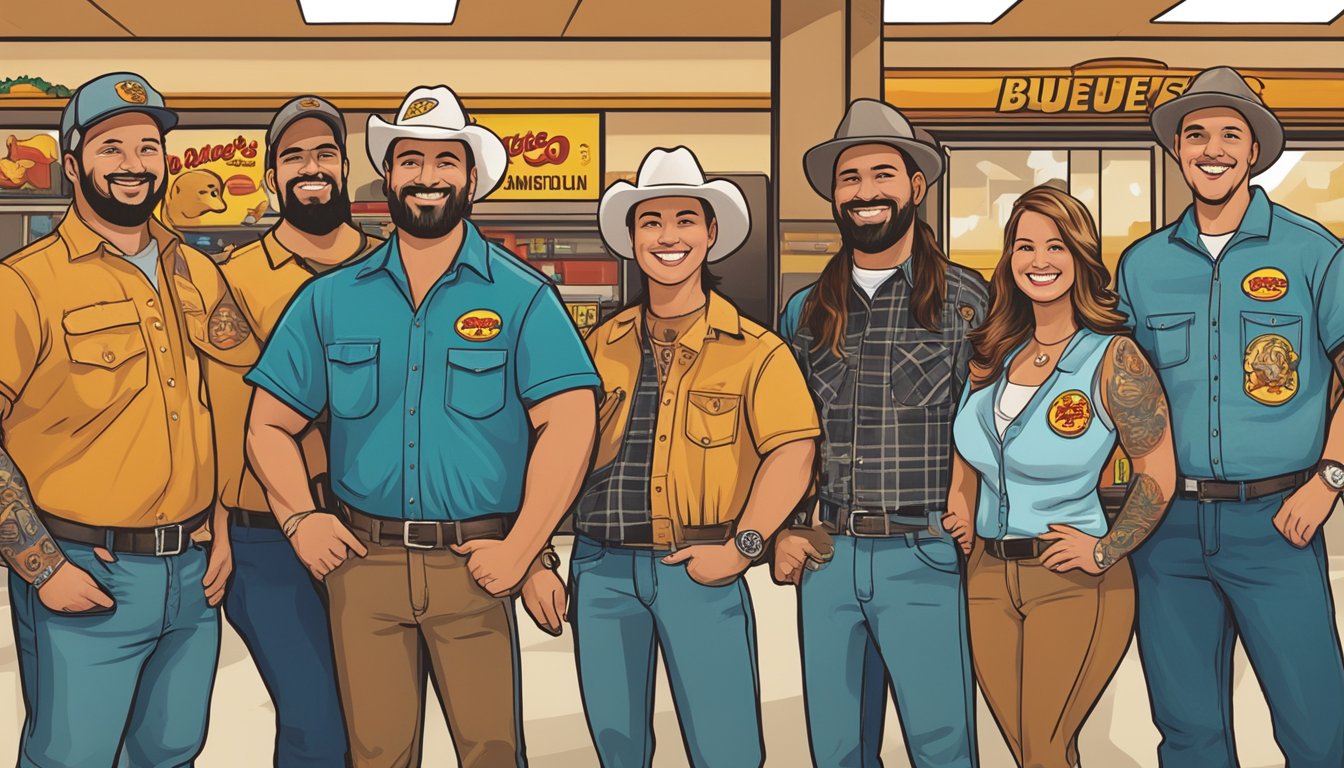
(672, 238)
(120, 171)
(875, 194)
(429, 185)
(1216, 150)
(308, 176)
(1043, 266)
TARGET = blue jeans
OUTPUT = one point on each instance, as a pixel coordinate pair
(626, 604)
(899, 601)
(131, 684)
(1212, 572)
(275, 606)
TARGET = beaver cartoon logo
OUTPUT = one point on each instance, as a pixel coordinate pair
(309, 104)
(479, 325)
(1267, 284)
(1070, 414)
(1271, 369)
(132, 91)
(419, 107)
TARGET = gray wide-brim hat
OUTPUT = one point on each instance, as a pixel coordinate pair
(674, 173)
(1221, 87)
(869, 121)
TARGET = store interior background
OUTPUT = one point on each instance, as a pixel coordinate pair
(749, 85)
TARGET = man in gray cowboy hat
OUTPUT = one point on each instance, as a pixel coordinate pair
(881, 338)
(1238, 305)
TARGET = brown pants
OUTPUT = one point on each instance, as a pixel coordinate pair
(390, 613)
(1045, 645)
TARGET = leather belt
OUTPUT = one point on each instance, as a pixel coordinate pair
(1015, 549)
(160, 541)
(1224, 490)
(876, 523)
(426, 534)
(691, 535)
(245, 519)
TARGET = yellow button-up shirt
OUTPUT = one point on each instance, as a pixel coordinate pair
(734, 394)
(264, 276)
(102, 402)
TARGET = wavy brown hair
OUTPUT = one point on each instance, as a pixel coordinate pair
(1011, 320)
(825, 313)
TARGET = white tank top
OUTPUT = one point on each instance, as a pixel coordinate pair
(1014, 398)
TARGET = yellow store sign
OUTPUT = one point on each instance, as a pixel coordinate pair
(551, 156)
(215, 178)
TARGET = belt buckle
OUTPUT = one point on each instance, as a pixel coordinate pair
(406, 534)
(855, 514)
(161, 548)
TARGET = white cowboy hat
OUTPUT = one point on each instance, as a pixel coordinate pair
(868, 121)
(674, 173)
(1221, 87)
(435, 114)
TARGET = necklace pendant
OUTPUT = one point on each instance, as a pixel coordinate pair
(1041, 360)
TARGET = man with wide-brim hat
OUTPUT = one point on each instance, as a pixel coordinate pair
(454, 379)
(707, 435)
(1238, 305)
(882, 339)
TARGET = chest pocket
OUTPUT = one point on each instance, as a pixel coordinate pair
(1171, 338)
(475, 384)
(921, 373)
(107, 353)
(352, 378)
(711, 419)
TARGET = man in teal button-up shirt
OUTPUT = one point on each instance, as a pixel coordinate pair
(462, 421)
(1240, 307)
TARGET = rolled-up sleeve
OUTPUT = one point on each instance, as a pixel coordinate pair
(551, 357)
(293, 366)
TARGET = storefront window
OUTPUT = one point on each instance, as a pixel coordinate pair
(1302, 179)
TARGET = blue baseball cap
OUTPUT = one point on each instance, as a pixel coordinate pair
(107, 96)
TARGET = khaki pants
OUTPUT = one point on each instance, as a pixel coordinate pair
(392, 612)
(1045, 645)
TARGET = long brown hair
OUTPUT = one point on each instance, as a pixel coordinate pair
(1011, 321)
(826, 311)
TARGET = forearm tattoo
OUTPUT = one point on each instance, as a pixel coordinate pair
(1141, 513)
(24, 541)
(1136, 401)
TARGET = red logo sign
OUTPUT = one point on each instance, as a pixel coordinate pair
(208, 153)
(538, 149)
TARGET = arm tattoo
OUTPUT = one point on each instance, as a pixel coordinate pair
(228, 327)
(1143, 510)
(1136, 401)
(24, 541)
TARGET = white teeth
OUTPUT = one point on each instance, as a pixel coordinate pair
(1217, 170)
(127, 182)
(868, 213)
(672, 257)
(313, 187)
(1039, 279)
(429, 195)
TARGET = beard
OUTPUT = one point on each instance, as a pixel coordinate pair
(316, 218)
(874, 238)
(112, 210)
(427, 223)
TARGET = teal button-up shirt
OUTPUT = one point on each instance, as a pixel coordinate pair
(1242, 343)
(429, 406)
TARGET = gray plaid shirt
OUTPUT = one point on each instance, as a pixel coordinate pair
(887, 405)
(614, 505)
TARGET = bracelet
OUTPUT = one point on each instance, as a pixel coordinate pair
(47, 573)
(292, 524)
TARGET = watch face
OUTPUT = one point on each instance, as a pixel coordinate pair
(550, 560)
(1333, 474)
(750, 544)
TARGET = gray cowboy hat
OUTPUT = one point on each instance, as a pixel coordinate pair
(1221, 87)
(869, 121)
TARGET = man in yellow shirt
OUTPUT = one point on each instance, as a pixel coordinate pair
(105, 415)
(707, 441)
(273, 603)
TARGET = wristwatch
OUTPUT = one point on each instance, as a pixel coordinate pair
(549, 559)
(1332, 472)
(750, 543)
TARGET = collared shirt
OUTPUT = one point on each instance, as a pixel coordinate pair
(1044, 469)
(264, 276)
(887, 404)
(734, 395)
(428, 406)
(1242, 344)
(102, 401)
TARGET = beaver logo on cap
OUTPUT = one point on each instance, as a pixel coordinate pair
(419, 107)
(309, 104)
(132, 91)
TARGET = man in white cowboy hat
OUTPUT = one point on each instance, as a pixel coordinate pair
(1239, 306)
(454, 379)
(706, 441)
(881, 337)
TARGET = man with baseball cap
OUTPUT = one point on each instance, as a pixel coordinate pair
(882, 340)
(462, 420)
(1238, 305)
(104, 413)
(707, 440)
(273, 603)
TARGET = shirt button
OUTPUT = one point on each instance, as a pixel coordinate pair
(658, 489)
(410, 445)
(158, 326)
(163, 350)
(1215, 461)
(108, 356)
(162, 516)
(411, 500)
(173, 416)
(1215, 433)
(412, 466)
(412, 411)
(859, 462)
(172, 382)
(668, 401)
(663, 438)
(417, 323)
(1215, 398)
(149, 302)
(415, 367)
(1214, 323)
(704, 441)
